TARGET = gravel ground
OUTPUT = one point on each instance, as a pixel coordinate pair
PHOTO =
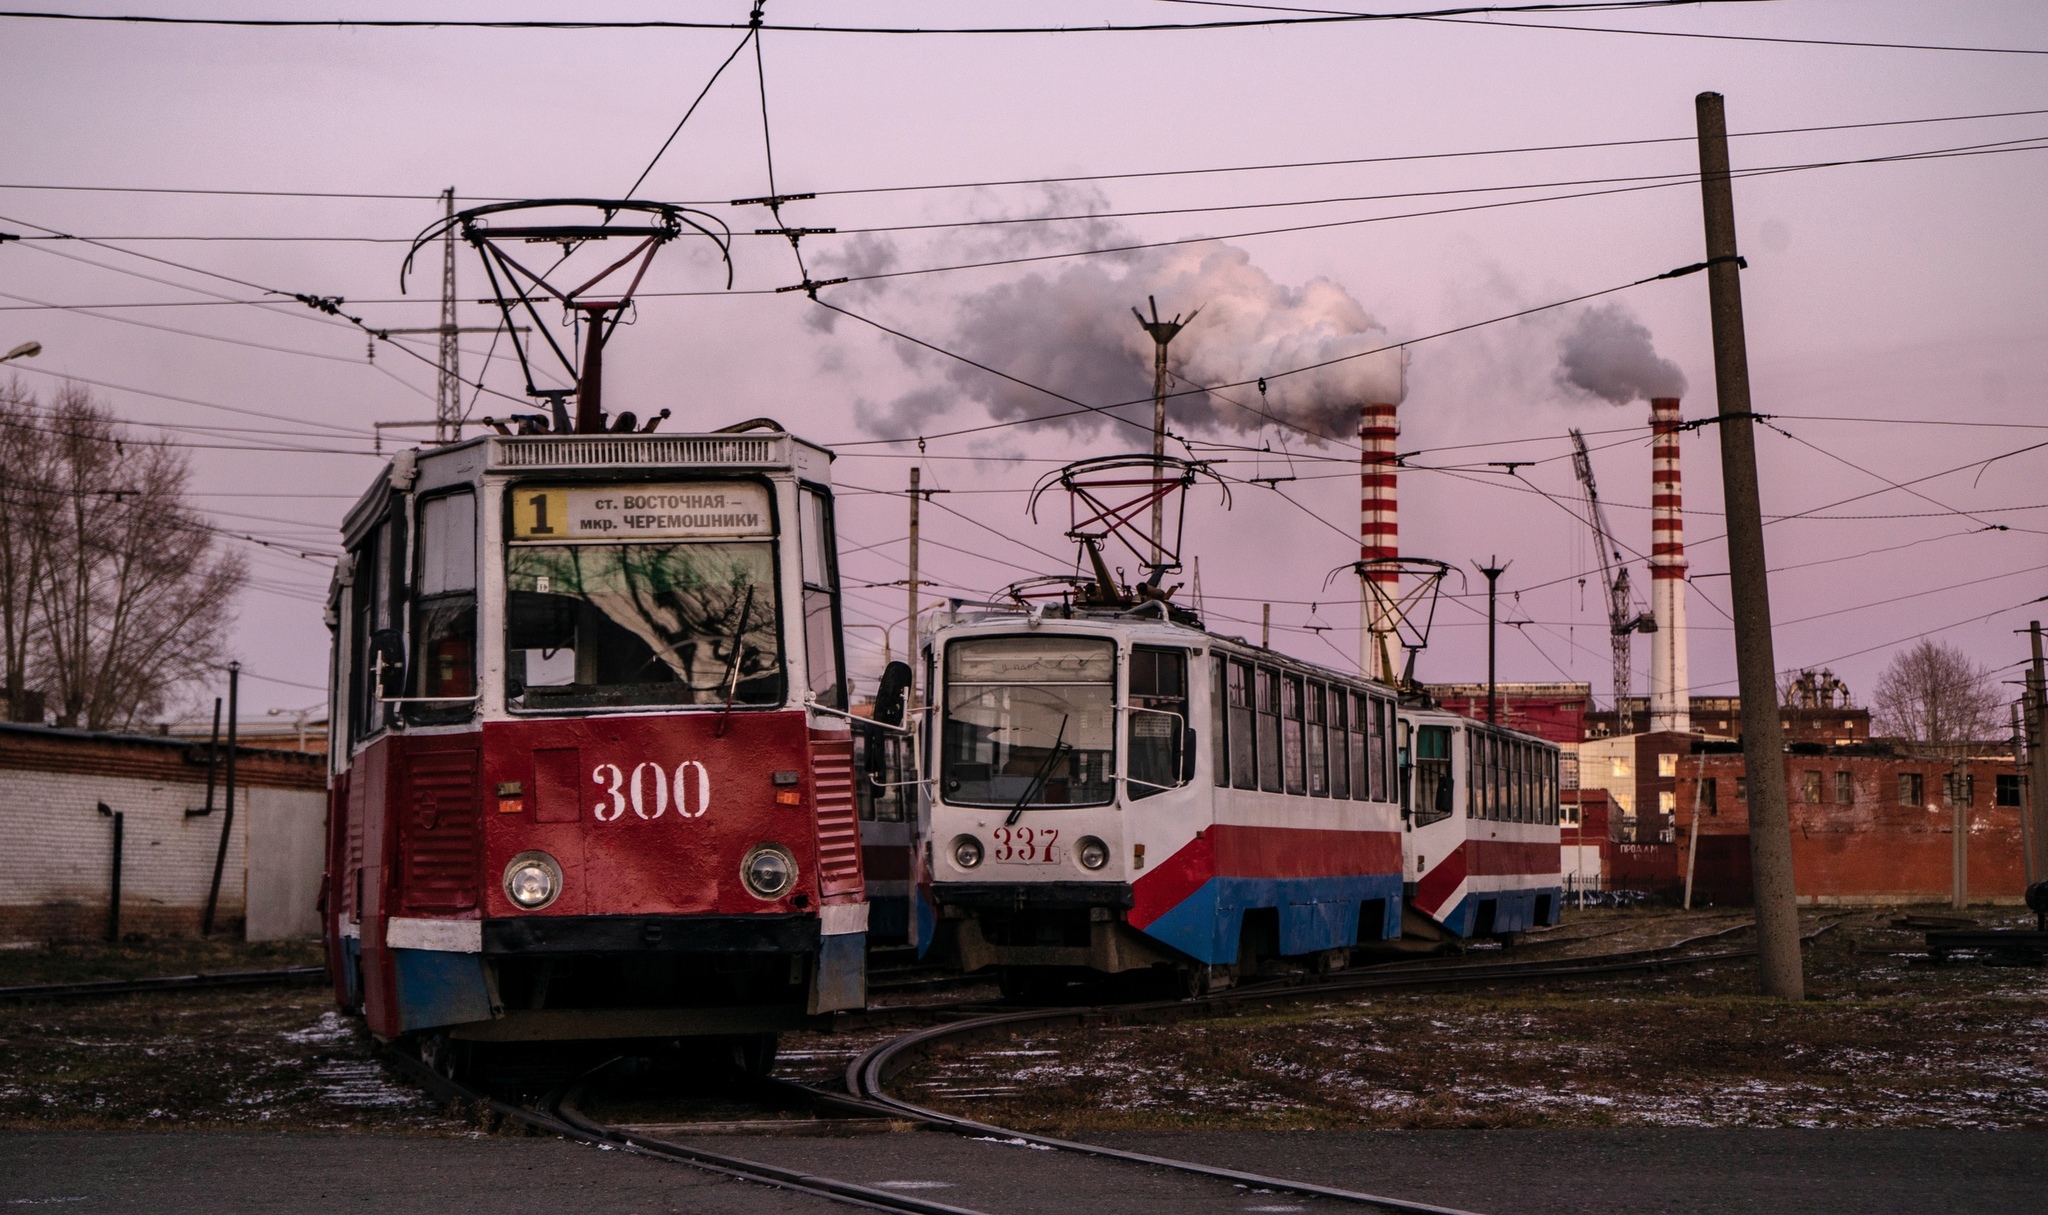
(273, 1058)
(1884, 1040)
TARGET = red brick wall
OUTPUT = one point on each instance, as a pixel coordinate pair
(1869, 848)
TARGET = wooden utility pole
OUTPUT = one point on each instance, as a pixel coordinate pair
(1780, 969)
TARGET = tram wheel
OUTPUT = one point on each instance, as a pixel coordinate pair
(448, 1057)
(754, 1055)
(1030, 984)
(1201, 980)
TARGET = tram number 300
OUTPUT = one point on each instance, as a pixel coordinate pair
(649, 788)
(1027, 844)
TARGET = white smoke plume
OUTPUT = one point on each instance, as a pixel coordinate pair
(1072, 331)
(1609, 354)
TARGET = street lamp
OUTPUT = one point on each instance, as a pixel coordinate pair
(27, 350)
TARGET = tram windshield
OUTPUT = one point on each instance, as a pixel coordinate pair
(1030, 721)
(603, 625)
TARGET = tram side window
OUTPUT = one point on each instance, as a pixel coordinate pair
(444, 612)
(1369, 746)
(1518, 781)
(1318, 741)
(1219, 721)
(1434, 792)
(1269, 730)
(1357, 748)
(1244, 762)
(1291, 733)
(1340, 742)
(821, 600)
(1158, 720)
(365, 716)
(1497, 786)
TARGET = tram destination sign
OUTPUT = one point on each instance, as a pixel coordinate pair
(691, 510)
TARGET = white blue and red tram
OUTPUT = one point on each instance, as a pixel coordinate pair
(1115, 791)
(1482, 809)
(592, 776)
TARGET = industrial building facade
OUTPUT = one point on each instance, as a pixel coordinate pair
(60, 791)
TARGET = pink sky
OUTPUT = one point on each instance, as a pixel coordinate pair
(1898, 291)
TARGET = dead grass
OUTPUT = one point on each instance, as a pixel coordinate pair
(142, 958)
(1882, 1041)
(271, 1058)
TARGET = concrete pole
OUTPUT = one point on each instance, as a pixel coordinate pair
(1158, 452)
(1780, 969)
(1493, 572)
(1959, 863)
(2037, 753)
(2019, 762)
(1692, 839)
(910, 625)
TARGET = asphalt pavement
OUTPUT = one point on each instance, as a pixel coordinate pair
(1566, 1172)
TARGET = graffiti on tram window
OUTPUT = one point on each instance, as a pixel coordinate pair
(648, 790)
(601, 625)
(1030, 845)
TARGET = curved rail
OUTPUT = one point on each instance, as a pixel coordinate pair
(868, 1075)
(562, 1116)
(194, 982)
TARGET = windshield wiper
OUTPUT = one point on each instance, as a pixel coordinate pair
(732, 679)
(1038, 779)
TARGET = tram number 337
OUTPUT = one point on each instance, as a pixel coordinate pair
(1027, 844)
(649, 789)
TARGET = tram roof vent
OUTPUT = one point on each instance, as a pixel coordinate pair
(606, 451)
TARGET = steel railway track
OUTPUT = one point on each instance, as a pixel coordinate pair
(867, 1077)
(195, 982)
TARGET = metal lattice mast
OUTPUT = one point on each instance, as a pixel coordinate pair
(1622, 619)
(448, 392)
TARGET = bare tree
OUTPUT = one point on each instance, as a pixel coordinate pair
(124, 593)
(1934, 694)
(27, 484)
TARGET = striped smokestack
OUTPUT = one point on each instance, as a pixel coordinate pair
(1379, 535)
(1670, 692)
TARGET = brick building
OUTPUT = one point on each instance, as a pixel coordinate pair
(1721, 717)
(56, 845)
(1871, 823)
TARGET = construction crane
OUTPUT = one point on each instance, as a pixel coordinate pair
(1623, 620)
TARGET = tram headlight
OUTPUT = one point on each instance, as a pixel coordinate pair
(1091, 852)
(966, 851)
(769, 871)
(532, 880)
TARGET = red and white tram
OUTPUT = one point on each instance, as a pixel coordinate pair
(1120, 790)
(1481, 847)
(592, 775)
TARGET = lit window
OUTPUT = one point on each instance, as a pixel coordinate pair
(1667, 764)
